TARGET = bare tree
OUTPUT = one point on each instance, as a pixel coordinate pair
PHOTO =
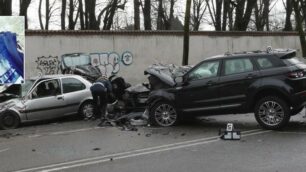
(160, 12)
(262, 14)
(49, 11)
(186, 33)
(243, 14)
(63, 14)
(23, 10)
(136, 15)
(5, 7)
(297, 6)
(72, 19)
(289, 10)
(147, 15)
(198, 9)
(81, 11)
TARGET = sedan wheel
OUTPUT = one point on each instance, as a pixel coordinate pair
(164, 114)
(272, 113)
(9, 120)
(87, 110)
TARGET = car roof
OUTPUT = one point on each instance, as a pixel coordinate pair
(282, 54)
(54, 76)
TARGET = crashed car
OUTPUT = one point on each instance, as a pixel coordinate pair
(271, 83)
(79, 64)
(9, 91)
(48, 97)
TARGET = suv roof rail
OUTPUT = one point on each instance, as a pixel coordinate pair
(269, 50)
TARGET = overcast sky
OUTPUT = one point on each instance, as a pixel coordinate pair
(277, 13)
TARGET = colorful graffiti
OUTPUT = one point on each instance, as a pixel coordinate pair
(48, 65)
(108, 63)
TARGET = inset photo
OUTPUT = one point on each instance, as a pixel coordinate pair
(12, 43)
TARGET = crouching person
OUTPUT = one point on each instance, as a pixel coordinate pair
(101, 89)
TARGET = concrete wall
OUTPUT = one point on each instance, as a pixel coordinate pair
(44, 49)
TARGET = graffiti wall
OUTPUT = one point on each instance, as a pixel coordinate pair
(109, 63)
(48, 65)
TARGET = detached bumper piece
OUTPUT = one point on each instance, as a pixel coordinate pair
(229, 133)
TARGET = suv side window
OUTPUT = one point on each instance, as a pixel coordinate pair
(72, 85)
(205, 70)
(235, 66)
(264, 63)
(46, 89)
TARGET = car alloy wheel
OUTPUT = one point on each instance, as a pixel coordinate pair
(271, 113)
(87, 110)
(165, 115)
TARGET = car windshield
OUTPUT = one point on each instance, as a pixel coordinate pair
(75, 60)
(26, 87)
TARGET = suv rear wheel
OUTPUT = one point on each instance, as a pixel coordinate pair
(163, 114)
(272, 113)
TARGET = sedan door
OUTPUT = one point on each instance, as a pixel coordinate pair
(74, 92)
(200, 89)
(45, 101)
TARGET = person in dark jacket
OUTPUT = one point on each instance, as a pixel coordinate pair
(101, 89)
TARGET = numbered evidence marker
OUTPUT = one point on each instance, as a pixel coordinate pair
(230, 133)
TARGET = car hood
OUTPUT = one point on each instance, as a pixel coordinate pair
(88, 70)
(167, 73)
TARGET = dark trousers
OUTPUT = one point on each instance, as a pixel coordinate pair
(99, 95)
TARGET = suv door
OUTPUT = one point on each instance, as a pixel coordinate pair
(199, 91)
(238, 74)
(45, 101)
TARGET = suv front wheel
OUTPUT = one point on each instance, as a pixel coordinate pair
(163, 114)
(272, 113)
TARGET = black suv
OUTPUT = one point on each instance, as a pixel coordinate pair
(272, 84)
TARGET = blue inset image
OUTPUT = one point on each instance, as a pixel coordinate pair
(11, 59)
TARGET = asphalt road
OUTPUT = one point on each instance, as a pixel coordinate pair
(75, 145)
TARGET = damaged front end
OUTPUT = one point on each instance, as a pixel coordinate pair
(163, 76)
(79, 64)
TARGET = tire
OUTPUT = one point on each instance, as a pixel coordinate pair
(296, 111)
(272, 113)
(9, 120)
(163, 114)
(86, 110)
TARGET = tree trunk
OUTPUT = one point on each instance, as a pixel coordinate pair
(70, 15)
(160, 12)
(63, 14)
(226, 8)
(136, 15)
(111, 15)
(81, 11)
(289, 9)
(147, 15)
(243, 15)
(170, 21)
(47, 15)
(23, 10)
(218, 14)
(298, 19)
(186, 33)
(40, 15)
(5, 7)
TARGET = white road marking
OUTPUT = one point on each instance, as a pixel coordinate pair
(3, 150)
(64, 132)
(290, 132)
(132, 153)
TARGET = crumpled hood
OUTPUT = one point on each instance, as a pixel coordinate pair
(88, 70)
(167, 73)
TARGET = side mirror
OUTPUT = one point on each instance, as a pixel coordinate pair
(179, 79)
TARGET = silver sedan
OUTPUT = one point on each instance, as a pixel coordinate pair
(48, 97)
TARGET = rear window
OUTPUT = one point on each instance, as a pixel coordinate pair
(293, 61)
